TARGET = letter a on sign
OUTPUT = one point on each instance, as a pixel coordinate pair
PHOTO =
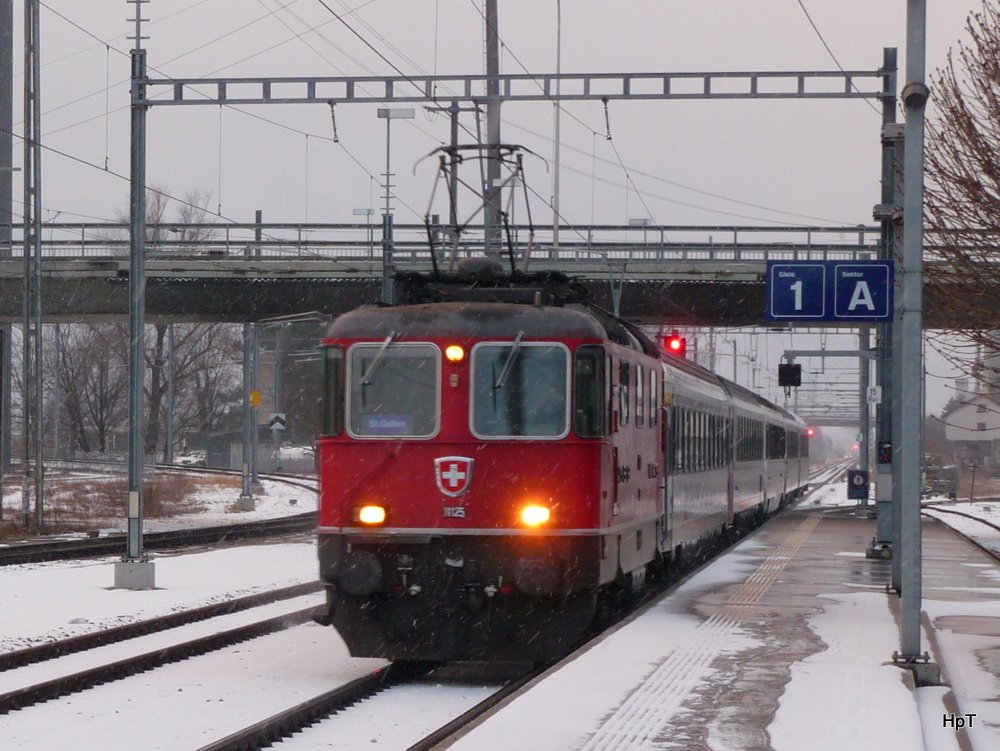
(862, 296)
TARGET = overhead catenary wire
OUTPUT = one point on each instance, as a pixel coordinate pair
(314, 28)
(119, 109)
(830, 52)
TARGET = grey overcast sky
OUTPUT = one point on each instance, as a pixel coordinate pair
(796, 161)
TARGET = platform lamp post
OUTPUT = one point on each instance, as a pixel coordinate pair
(389, 114)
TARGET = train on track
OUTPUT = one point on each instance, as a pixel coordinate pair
(498, 457)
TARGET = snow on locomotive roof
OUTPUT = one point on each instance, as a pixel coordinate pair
(466, 319)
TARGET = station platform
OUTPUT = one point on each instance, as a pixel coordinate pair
(784, 642)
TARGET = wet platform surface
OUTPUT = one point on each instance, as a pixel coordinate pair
(785, 642)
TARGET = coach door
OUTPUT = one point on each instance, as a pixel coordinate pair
(667, 486)
(731, 463)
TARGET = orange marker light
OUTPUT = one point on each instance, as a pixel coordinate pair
(534, 515)
(454, 353)
(371, 514)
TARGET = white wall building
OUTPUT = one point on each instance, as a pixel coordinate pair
(974, 425)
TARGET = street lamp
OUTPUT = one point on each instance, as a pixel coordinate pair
(389, 114)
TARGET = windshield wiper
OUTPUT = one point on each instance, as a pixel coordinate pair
(366, 377)
(509, 361)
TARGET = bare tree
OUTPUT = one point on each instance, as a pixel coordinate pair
(963, 197)
(84, 360)
(204, 372)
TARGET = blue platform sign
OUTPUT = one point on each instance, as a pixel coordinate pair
(857, 485)
(836, 291)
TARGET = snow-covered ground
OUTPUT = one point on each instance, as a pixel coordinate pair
(216, 504)
(840, 695)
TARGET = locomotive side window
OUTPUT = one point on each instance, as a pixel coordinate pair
(588, 392)
(394, 390)
(520, 390)
(333, 391)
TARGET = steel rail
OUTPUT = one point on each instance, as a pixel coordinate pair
(83, 642)
(35, 552)
(934, 507)
(294, 719)
(80, 681)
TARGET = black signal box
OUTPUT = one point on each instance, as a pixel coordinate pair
(789, 374)
(884, 452)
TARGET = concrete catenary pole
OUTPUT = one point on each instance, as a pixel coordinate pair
(36, 277)
(135, 571)
(915, 94)
(6, 213)
(492, 190)
(557, 110)
(246, 500)
(31, 439)
(883, 331)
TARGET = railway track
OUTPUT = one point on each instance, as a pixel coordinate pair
(285, 724)
(61, 647)
(53, 550)
(936, 507)
(33, 552)
(64, 683)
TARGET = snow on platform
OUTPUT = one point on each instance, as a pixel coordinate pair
(786, 642)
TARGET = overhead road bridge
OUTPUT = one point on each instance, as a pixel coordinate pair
(685, 275)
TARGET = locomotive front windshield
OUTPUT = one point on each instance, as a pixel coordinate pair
(520, 390)
(394, 390)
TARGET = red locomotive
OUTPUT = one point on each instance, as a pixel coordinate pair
(492, 465)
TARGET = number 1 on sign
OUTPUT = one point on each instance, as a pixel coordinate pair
(797, 289)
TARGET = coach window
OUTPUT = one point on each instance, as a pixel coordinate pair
(624, 380)
(333, 391)
(588, 392)
(640, 396)
(673, 442)
(394, 390)
(520, 390)
(654, 399)
(702, 440)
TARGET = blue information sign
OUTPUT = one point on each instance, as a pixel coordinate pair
(857, 484)
(859, 291)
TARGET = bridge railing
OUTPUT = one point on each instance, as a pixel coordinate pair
(362, 242)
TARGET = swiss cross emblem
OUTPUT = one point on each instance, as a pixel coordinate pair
(453, 474)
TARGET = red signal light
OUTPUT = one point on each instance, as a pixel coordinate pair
(810, 432)
(675, 344)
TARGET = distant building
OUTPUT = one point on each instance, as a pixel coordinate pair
(973, 424)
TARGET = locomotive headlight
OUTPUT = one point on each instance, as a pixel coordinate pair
(454, 353)
(535, 515)
(370, 514)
